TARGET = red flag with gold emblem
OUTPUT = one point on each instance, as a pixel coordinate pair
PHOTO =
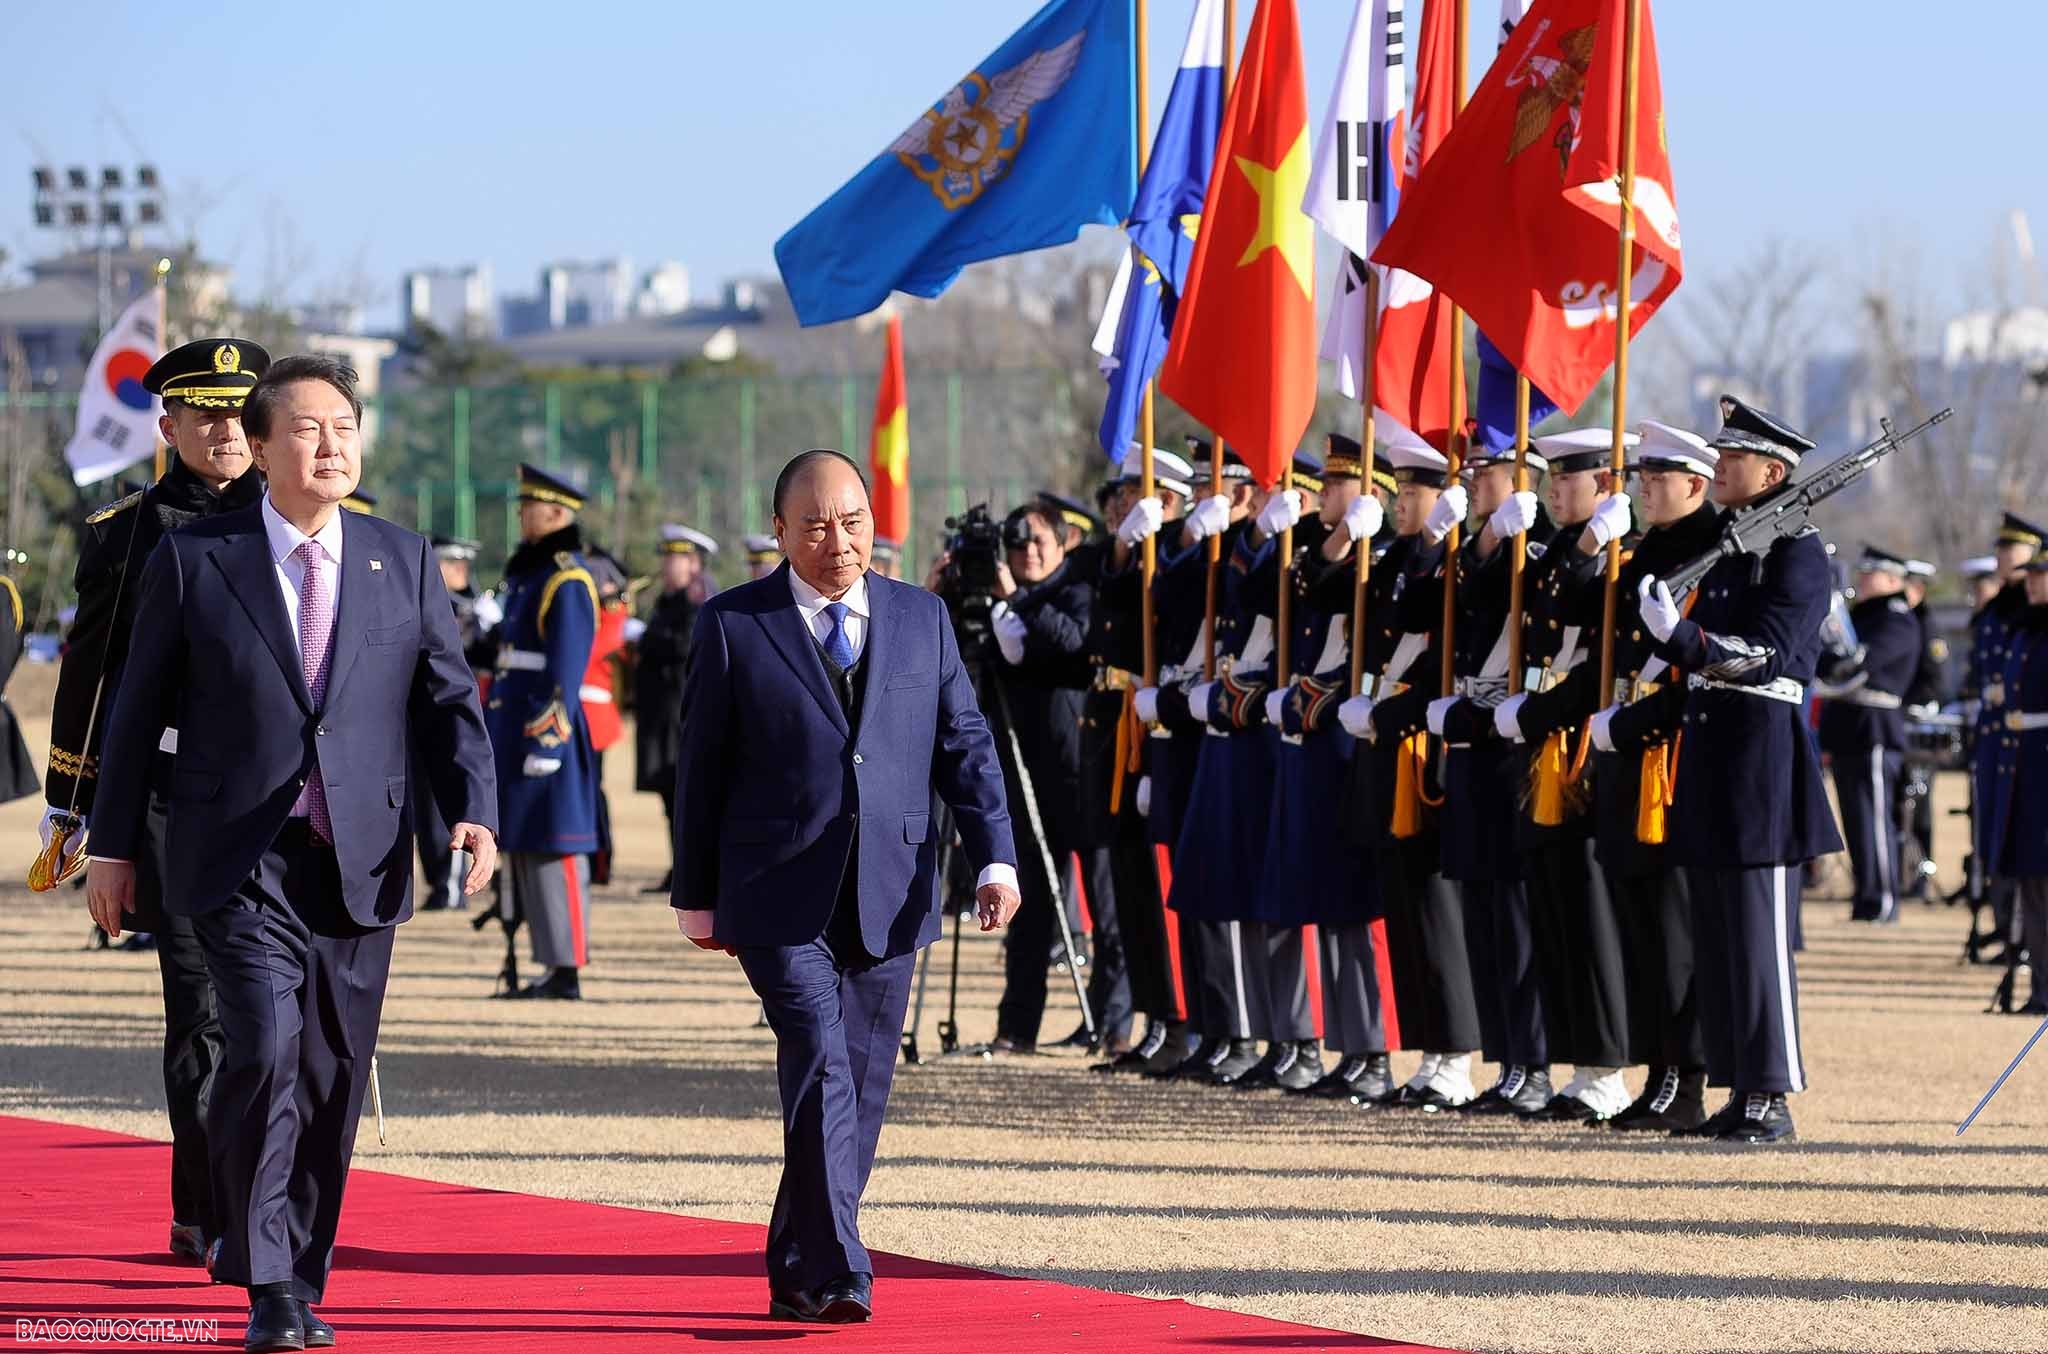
(1243, 356)
(889, 443)
(1517, 215)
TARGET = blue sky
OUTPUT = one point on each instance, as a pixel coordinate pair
(371, 137)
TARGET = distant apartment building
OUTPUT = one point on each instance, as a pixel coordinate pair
(584, 295)
(456, 301)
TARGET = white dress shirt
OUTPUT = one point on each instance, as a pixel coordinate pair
(285, 539)
(810, 604)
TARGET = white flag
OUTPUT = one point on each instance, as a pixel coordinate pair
(1511, 12)
(1355, 182)
(116, 416)
(1112, 317)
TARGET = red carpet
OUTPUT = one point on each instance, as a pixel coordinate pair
(433, 1267)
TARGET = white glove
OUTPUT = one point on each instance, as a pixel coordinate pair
(1198, 699)
(1515, 516)
(1276, 701)
(1448, 512)
(1141, 521)
(633, 629)
(1355, 714)
(1438, 708)
(1210, 516)
(51, 813)
(1610, 519)
(487, 611)
(1660, 613)
(1506, 721)
(1144, 796)
(1010, 630)
(1603, 734)
(540, 766)
(1364, 517)
(1146, 703)
(1281, 512)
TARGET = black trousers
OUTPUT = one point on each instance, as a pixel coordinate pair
(1109, 976)
(1141, 920)
(1654, 908)
(1276, 979)
(300, 989)
(1433, 995)
(1579, 954)
(1748, 988)
(1505, 978)
(1866, 781)
(1215, 964)
(192, 1038)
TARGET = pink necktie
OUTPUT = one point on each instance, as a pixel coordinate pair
(316, 631)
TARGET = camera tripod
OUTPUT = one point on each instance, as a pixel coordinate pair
(949, 1029)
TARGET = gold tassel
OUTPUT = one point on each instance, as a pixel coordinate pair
(62, 858)
(1129, 739)
(1547, 803)
(1660, 781)
(1409, 763)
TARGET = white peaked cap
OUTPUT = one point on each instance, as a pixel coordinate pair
(1168, 470)
(1667, 447)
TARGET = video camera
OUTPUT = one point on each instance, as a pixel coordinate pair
(975, 545)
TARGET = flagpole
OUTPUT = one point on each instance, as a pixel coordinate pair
(1364, 547)
(1518, 557)
(163, 338)
(1454, 435)
(1148, 550)
(1631, 47)
(1211, 582)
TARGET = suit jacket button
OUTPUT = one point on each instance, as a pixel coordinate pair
(856, 759)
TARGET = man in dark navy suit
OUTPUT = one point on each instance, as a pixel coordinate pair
(300, 650)
(825, 708)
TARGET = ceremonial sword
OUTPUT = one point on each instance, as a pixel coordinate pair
(2010, 1068)
(377, 1098)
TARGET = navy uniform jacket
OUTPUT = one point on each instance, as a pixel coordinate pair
(536, 708)
(114, 544)
(2016, 811)
(1658, 701)
(660, 659)
(1893, 647)
(1370, 792)
(1179, 605)
(1748, 788)
(212, 638)
(1991, 639)
(1930, 675)
(773, 782)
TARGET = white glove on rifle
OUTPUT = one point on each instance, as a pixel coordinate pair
(1276, 701)
(1355, 714)
(633, 629)
(1603, 732)
(1515, 516)
(1448, 512)
(1198, 699)
(540, 766)
(1506, 717)
(1141, 521)
(1009, 630)
(1610, 519)
(1146, 703)
(1144, 796)
(487, 612)
(1210, 516)
(1438, 708)
(1281, 512)
(1660, 613)
(1364, 517)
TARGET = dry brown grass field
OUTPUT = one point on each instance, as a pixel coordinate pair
(1878, 1231)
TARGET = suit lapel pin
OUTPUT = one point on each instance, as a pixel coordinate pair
(376, 566)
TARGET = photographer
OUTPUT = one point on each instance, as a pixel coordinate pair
(1036, 623)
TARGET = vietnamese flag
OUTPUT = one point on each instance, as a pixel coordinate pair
(1517, 215)
(1243, 355)
(889, 443)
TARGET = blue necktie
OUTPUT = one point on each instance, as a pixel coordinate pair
(838, 647)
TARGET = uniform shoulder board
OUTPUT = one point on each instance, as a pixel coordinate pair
(1898, 605)
(115, 508)
(564, 560)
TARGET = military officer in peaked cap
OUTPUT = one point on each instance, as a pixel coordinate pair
(763, 555)
(442, 864)
(202, 385)
(2017, 839)
(663, 648)
(547, 771)
(1748, 804)
(887, 559)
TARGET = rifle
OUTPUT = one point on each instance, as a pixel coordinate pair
(1787, 509)
(508, 976)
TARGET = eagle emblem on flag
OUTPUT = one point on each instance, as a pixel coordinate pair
(965, 142)
(1553, 82)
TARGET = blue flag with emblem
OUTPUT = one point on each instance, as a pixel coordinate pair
(1035, 142)
(1162, 226)
(1497, 399)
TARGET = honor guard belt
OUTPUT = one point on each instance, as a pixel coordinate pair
(596, 695)
(1628, 690)
(169, 742)
(1870, 700)
(1783, 689)
(2026, 721)
(522, 660)
(1485, 692)
(1116, 679)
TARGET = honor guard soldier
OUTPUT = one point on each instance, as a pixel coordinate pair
(442, 865)
(202, 385)
(1980, 575)
(547, 772)
(1316, 874)
(598, 694)
(887, 559)
(17, 769)
(1748, 805)
(763, 555)
(2017, 814)
(1571, 913)
(1425, 921)
(1863, 730)
(1924, 699)
(1482, 785)
(1983, 691)
(663, 648)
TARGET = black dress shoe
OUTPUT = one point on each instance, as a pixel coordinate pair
(1335, 1084)
(792, 1304)
(1279, 1053)
(1674, 1101)
(1006, 1045)
(1374, 1086)
(1302, 1071)
(1193, 1066)
(560, 985)
(1238, 1058)
(188, 1241)
(1140, 1056)
(319, 1335)
(1715, 1124)
(1765, 1118)
(1494, 1099)
(848, 1300)
(273, 1325)
(1535, 1095)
